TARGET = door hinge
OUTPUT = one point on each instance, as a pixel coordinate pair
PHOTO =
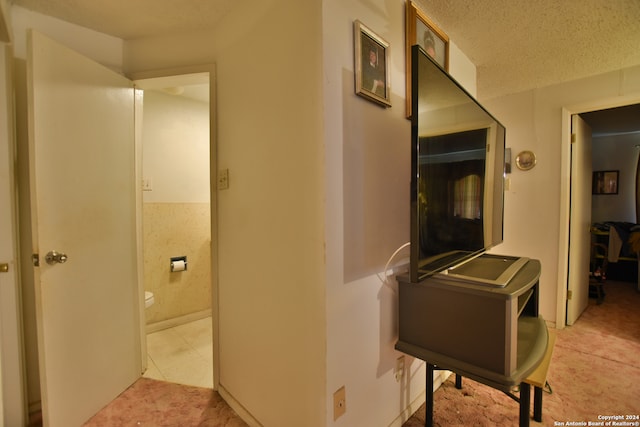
(573, 138)
(35, 259)
(569, 294)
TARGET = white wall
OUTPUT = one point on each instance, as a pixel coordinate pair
(276, 184)
(536, 204)
(367, 152)
(175, 148)
(616, 153)
(176, 210)
(270, 220)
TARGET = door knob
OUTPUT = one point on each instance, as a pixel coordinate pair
(55, 257)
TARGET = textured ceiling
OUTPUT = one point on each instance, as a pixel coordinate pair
(516, 45)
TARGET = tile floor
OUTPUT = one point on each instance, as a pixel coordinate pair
(182, 354)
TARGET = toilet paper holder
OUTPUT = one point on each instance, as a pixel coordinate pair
(178, 263)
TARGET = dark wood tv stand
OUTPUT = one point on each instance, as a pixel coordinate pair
(490, 334)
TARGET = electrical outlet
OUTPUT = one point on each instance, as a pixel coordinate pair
(223, 179)
(339, 403)
(399, 371)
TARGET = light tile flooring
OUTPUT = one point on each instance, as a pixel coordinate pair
(182, 354)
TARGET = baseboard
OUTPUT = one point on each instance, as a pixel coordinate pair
(409, 411)
(236, 406)
(177, 321)
(398, 422)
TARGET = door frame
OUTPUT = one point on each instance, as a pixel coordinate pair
(213, 173)
(565, 190)
(13, 406)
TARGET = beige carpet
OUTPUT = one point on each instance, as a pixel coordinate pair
(595, 371)
(154, 403)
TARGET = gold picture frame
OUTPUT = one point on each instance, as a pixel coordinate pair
(372, 77)
(419, 29)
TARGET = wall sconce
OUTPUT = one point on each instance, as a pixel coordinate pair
(525, 160)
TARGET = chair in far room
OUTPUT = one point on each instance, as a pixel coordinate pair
(598, 270)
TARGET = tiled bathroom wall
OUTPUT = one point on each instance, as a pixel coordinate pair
(172, 230)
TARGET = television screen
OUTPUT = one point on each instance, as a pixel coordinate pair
(457, 172)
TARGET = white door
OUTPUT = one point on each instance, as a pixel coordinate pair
(580, 219)
(81, 143)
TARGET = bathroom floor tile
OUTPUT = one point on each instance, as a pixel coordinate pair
(182, 354)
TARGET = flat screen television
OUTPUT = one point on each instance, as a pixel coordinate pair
(457, 172)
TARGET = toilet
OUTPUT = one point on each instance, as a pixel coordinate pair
(148, 299)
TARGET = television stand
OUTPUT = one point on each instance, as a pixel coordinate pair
(492, 335)
(494, 270)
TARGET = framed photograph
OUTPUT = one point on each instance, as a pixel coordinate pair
(371, 65)
(419, 29)
(605, 182)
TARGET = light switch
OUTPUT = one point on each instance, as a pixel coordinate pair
(147, 184)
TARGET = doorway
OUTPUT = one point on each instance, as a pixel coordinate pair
(612, 125)
(177, 216)
(103, 171)
(616, 148)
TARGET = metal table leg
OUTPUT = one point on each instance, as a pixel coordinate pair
(428, 413)
(525, 402)
(537, 404)
(458, 381)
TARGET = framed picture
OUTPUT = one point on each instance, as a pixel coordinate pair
(371, 65)
(421, 30)
(605, 182)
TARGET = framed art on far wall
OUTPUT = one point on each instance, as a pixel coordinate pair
(371, 55)
(419, 29)
(605, 182)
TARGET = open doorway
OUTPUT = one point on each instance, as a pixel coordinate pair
(614, 135)
(616, 149)
(176, 219)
